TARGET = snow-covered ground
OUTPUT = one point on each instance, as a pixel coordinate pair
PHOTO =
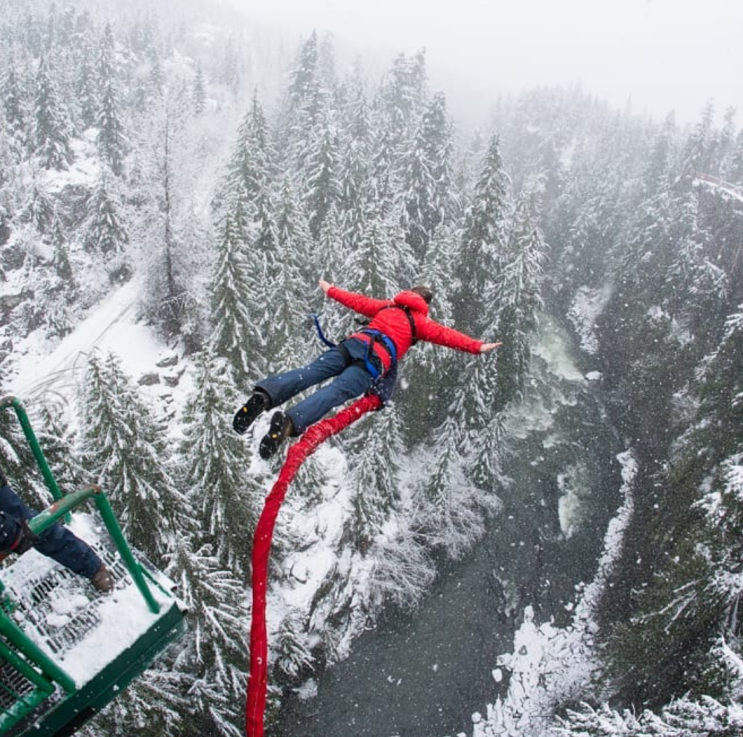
(549, 665)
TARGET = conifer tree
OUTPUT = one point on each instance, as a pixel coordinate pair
(228, 501)
(52, 128)
(199, 91)
(303, 79)
(235, 335)
(250, 169)
(699, 151)
(60, 257)
(290, 275)
(14, 103)
(215, 651)
(123, 446)
(428, 180)
(111, 140)
(483, 243)
(293, 655)
(355, 174)
(374, 476)
(322, 186)
(168, 301)
(105, 231)
(86, 87)
(403, 96)
(449, 510)
(381, 263)
(385, 181)
(39, 209)
(519, 297)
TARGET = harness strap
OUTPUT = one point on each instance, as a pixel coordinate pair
(376, 336)
(411, 320)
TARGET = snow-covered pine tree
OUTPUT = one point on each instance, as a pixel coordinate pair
(39, 208)
(51, 137)
(698, 155)
(111, 139)
(384, 179)
(15, 103)
(57, 440)
(483, 244)
(251, 165)
(215, 468)
(705, 717)
(173, 245)
(124, 448)
(86, 88)
(374, 475)
(449, 510)
(519, 294)
(198, 91)
(320, 172)
(403, 95)
(355, 172)
(236, 335)
(427, 177)
(381, 263)
(215, 652)
(60, 257)
(105, 232)
(293, 657)
(291, 279)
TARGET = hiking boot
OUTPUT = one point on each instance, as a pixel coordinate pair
(281, 428)
(249, 412)
(103, 581)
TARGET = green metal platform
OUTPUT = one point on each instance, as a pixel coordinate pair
(65, 649)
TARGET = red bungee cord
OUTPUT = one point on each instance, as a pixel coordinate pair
(255, 704)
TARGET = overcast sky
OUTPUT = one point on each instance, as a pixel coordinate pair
(661, 54)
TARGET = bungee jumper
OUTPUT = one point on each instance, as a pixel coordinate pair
(365, 362)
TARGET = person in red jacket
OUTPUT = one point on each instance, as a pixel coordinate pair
(359, 363)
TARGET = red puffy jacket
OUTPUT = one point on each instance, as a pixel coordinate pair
(395, 324)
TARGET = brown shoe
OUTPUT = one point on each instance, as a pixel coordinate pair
(103, 581)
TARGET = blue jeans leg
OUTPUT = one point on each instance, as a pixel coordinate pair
(353, 382)
(284, 386)
(57, 542)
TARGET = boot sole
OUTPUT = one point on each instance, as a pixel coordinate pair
(276, 435)
(248, 414)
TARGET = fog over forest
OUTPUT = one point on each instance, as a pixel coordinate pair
(174, 180)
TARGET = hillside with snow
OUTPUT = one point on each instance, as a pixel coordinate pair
(174, 182)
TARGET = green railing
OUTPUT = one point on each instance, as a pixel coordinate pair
(37, 672)
(8, 402)
(64, 504)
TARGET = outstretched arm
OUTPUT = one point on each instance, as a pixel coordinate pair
(435, 332)
(360, 303)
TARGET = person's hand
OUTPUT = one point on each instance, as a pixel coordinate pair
(324, 285)
(487, 347)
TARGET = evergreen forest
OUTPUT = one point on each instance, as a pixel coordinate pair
(168, 148)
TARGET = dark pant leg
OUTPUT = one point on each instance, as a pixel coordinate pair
(57, 542)
(353, 382)
(284, 386)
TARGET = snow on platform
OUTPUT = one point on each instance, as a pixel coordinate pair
(81, 629)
